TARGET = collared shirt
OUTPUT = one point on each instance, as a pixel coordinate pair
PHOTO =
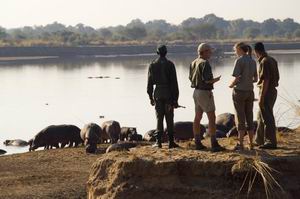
(268, 70)
(200, 72)
(245, 69)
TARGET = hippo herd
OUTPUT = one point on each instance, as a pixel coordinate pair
(59, 136)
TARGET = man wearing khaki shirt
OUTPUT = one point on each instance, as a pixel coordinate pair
(267, 83)
(202, 81)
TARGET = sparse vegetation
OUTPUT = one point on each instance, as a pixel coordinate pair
(210, 28)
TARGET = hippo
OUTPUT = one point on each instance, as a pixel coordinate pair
(121, 146)
(55, 134)
(91, 134)
(234, 132)
(112, 129)
(2, 152)
(135, 137)
(227, 120)
(184, 131)
(149, 136)
(219, 127)
(127, 132)
(16, 142)
(219, 134)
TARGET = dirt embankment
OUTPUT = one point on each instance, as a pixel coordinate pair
(144, 172)
(184, 173)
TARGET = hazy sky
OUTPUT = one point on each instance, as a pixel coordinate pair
(100, 13)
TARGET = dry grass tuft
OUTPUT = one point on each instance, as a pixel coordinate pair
(254, 167)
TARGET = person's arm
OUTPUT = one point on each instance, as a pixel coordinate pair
(237, 72)
(207, 75)
(265, 76)
(234, 82)
(150, 85)
(255, 78)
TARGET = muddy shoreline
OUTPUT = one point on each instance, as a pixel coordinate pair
(69, 172)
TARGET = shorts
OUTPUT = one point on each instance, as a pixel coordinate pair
(204, 101)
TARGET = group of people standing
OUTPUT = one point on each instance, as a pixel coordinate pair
(162, 75)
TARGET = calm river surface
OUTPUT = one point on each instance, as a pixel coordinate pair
(33, 96)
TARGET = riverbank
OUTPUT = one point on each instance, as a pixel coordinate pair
(64, 173)
(8, 53)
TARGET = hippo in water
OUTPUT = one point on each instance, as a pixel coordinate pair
(91, 134)
(127, 132)
(16, 142)
(55, 134)
(227, 120)
(122, 146)
(112, 129)
(2, 152)
(184, 131)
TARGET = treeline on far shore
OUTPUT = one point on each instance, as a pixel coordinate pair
(208, 28)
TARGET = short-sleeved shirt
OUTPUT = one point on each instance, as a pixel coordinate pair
(245, 69)
(200, 72)
(268, 69)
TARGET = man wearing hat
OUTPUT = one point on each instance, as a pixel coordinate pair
(162, 74)
(202, 81)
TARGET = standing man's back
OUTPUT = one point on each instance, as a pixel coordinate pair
(162, 75)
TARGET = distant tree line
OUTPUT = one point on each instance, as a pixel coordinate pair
(210, 27)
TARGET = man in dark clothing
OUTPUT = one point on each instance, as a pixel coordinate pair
(268, 81)
(162, 74)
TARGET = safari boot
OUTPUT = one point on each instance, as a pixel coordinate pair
(158, 140)
(172, 144)
(215, 146)
(199, 145)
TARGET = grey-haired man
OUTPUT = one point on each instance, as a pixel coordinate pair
(202, 81)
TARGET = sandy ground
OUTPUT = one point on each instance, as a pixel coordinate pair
(63, 173)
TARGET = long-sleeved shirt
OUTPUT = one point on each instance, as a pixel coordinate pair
(162, 74)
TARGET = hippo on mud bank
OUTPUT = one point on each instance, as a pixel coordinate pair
(2, 152)
(234, 132)
(225, 120)
(16, 142)
(91, 134)
(111, 130)
(183, 131)
(55, 134)
(127, 132)
(122, 146)
(149, 136)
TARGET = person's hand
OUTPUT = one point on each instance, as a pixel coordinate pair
(218, 78)
(231, 86)
(152, 102)
(175, 105)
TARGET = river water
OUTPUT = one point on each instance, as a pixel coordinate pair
(59, 91)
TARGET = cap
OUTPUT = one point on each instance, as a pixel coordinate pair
(204, 46)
